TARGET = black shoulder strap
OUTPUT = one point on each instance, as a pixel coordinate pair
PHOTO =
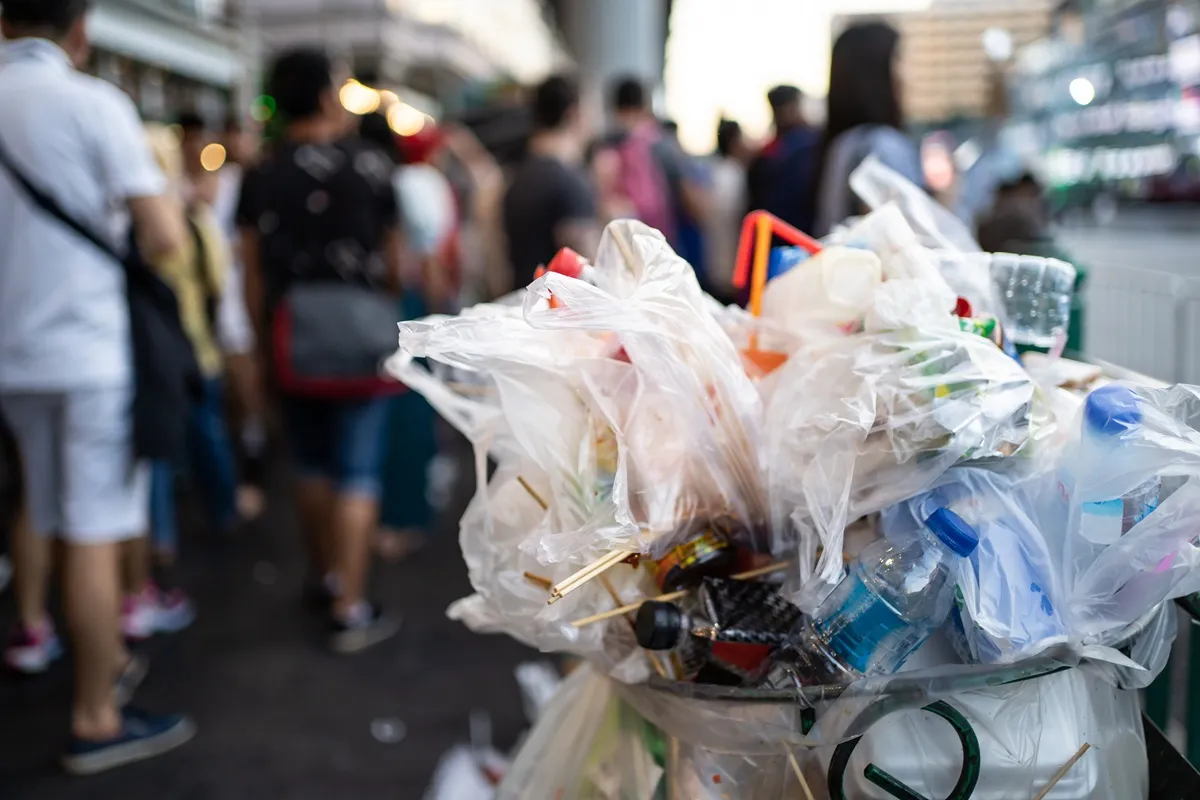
(51, 207)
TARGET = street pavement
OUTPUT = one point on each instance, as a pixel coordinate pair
(278, 716)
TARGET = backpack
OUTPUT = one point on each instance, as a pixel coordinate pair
(167, 377)
(642, 181)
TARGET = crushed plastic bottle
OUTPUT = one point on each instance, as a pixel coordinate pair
(889, 604)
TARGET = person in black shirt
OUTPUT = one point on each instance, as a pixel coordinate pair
(549, 204)
(322, 208)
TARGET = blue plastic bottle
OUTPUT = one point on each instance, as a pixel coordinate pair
(889, 604)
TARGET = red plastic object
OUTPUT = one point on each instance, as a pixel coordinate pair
(962, 308)
(567, 262)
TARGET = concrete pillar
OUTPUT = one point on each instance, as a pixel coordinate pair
(614, 38)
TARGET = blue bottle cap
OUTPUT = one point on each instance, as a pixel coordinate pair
(953, 531)
(1112, 410)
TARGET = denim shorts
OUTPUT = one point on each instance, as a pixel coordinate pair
(341, 441)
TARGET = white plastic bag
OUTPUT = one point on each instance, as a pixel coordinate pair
(1026, 731)
(587, 745)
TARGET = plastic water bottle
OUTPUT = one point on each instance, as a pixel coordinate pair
(1036, 295)
(889, 604)
(1112, 417)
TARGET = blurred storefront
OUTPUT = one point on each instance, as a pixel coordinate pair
(172, 56)
(1108, 108)
(436, 49)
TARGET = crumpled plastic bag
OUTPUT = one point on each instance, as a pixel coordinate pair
(620, 404)
(587, 745)
(1110, 585)
(876, 420)
(930, 227)
(877, 185)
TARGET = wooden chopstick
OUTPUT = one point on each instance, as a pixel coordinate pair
(597, 567)
(779, 566)
(1063, 770)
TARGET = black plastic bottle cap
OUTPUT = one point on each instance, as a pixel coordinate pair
(658, 625)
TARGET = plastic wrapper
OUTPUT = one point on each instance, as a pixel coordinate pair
(587, 745)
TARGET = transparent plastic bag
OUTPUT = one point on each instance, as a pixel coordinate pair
(689, 432)
(1111, 580)
(1025, 732)
(1006, 593)
(878, 185)
(875, 420)
(620, 405)
(587, 745)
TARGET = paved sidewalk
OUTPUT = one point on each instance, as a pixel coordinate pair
(278, 717)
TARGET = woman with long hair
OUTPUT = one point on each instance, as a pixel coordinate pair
(864, 119)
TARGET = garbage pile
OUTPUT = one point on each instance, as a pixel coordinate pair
(858, 493)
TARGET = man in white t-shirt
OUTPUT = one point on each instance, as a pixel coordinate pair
(66, 373)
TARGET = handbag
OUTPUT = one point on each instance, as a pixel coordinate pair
(330, 340)
(166, 374)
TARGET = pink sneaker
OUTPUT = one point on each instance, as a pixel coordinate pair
(155, 611)
(32, 651)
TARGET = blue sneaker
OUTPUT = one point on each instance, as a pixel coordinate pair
(142, 736)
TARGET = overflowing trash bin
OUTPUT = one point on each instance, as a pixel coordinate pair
(845, 544)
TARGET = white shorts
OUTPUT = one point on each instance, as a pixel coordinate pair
(81, 482)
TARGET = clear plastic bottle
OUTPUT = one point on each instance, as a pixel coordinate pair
(1036, 295)
(1112, 417)
(889, 604)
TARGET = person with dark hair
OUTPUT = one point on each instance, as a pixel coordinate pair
(728, 206)
(321, 229)
(194, 136)
(643, 173)
(780, 178)
(864, 119)
(549, 204)
(66, 362)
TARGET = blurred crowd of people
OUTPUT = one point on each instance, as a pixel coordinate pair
(274, 261)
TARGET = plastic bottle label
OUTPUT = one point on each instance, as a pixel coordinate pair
(1100, 522)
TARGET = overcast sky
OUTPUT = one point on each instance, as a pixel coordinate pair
(723, 56)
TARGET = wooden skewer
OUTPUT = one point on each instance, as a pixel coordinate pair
(799, 773)
(597, 567)
(532, 492)
(1063, 770)
(538, 581)
(665, 598)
